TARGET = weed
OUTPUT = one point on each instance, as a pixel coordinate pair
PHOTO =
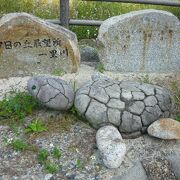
(56, 153)
(58, 72)
(19, 145)
(78, 163)
(51, 167)
(74, 111)
(100, 67)
(42, 156)
(36, 126)
(145, 79)
(178, 118)
(17, 106)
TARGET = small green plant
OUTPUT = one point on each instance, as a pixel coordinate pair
(19, 145)
(51, 167)
(56, 153)
(36, 126)
(178, 118)
(17, 106)
(58, 72)
(73, 111)
(42, 156)
(78, 163)
(145, 79)
(100, 67)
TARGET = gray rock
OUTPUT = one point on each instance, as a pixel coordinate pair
(123, 104)
(137, 42)
(175, 164)
(89, 54)
(130, 123)
(114, 116)
(52, 92)
(150, 115)
(126, 95)
(31, 46)
(116, 103)
(150, 101)
(138, 95)
(137, 172)
(96, 113)
(137, 107)
(111, 146)
(158, 168)
(165, 128)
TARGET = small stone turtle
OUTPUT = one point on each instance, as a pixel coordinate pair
(52, 92)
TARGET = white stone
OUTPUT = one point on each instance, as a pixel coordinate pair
(111, 146)
(140, 41)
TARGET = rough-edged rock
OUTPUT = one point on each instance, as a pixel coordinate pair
(140, 41)
(111, 146)
(30, 46)
(165, 129)
(175, 164)
(158, 168)
(52, 92)
(137, 172)
(130, 106)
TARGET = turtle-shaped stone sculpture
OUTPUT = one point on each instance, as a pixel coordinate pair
(130, 106)
(52, 92)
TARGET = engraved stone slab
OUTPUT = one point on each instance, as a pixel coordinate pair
(141, 41)
(29, 45)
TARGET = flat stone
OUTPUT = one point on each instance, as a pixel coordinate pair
(150, 115)
(111, 146)
(96, 114)
(113, 91)
(52, 92)
(150, 101)
(138, 95)
(99, 94)
(114, 116)
(30, 46)
(126, 95)
(116, 103)
(158, 168)
(82, 102)
(137, 172)
(138, 42)
(165, 129)
(147, 89)
(137, 107)
(130, 123)
(174, 161)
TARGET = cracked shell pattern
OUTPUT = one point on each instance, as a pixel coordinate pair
(130, 106)
(52, 92)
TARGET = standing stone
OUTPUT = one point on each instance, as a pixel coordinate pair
(111, 146)
(29, 45)
(140, 41)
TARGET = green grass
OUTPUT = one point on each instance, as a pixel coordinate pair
(36, 126)
(17, 106)
(56, 153)
(19, 145)
(42, 156)
(78, 10)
